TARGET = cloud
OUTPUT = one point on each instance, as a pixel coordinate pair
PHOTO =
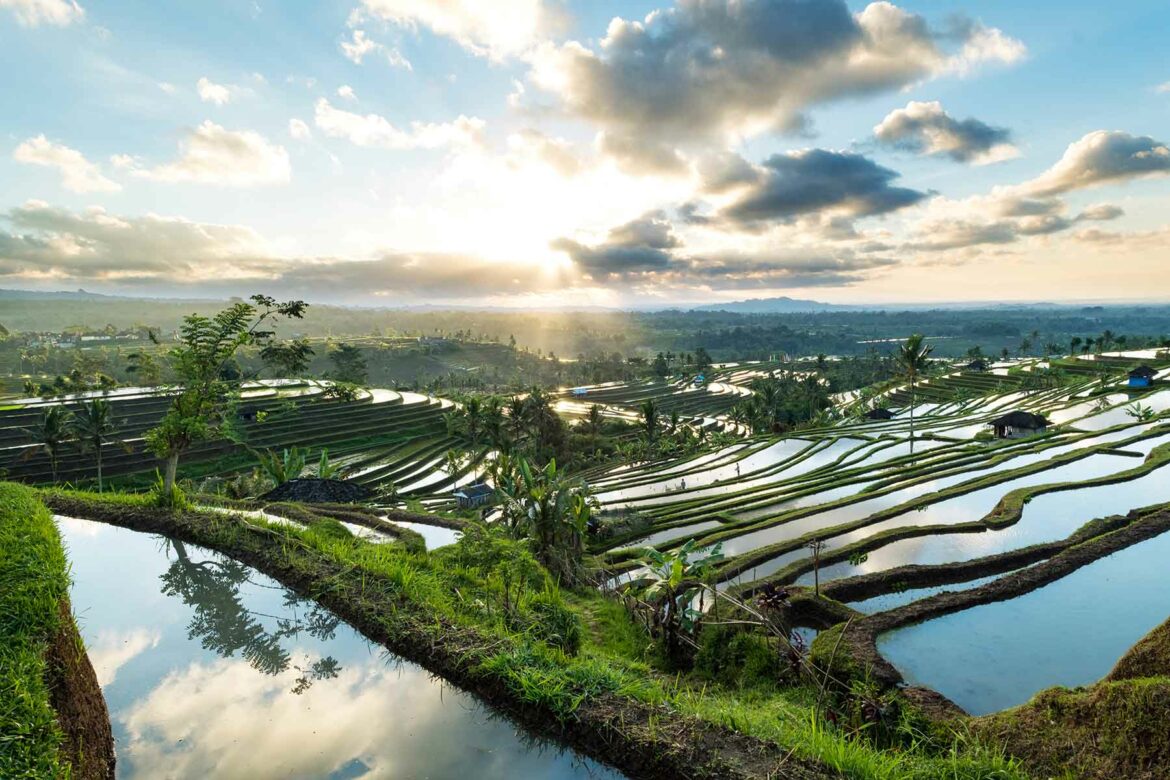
(925, 128)
(112, 650)
(1102, 157)
(167, 87)
(810, 181)
(212, 154)
(496, 29)
(356, 49)
(557, 153)
(345, 91)
(298, 129)
(1163, 89)
(376, 131)
(638, 246)
(49, 243)
(33, 13)
(77, 173)
(708, 72)
(210, 92)
(1100, 212)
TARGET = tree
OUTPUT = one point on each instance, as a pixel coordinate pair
(702, 359)
(206, 346)
(51, 433)
(661, 367)
(668, 586)
(549, 509)
(290, 359)
(649, 414)
(913, 358)
(143, 368)
(95, 427)
(595, 420)
(349, 365)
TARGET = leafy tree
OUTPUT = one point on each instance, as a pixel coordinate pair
(51, 433)
(95, 427)
(702, 359)
(289, 359)
(206, 346)
(349, 365)
(913, 358)
(595, 420)
(661, 366)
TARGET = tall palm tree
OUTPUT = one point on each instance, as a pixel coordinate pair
(913, 358)
(51, 433)
(94, 427)
(649, 411)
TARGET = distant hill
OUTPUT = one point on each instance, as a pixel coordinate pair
(782, 305)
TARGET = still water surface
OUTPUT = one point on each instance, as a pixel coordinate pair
(211, 669)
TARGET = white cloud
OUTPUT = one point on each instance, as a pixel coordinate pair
(356, 49)
(212, 154)
(77, 173)
(1163, 89)
(113, 650)
(496, 29)
(299, 130)
(707, 73)
(167, 87)
(373, 130)
(1101, 157)
(31, 13)
(210, 92)
(346, 92)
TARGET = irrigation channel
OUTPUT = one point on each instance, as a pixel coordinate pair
(211, 669)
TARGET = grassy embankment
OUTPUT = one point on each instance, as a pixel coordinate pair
(572, 663)
(53, 720)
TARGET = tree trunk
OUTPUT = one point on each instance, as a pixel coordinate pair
(171, 470)
(911, 415)
(99, 467)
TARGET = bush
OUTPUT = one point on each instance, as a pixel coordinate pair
(737, 658)
(329, 529)
(545, 617)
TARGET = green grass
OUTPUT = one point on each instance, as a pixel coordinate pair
(33, 580)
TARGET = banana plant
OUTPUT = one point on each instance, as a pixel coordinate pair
(283, 467)
(668, 586)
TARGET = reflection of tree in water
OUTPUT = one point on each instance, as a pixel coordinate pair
(223, 624)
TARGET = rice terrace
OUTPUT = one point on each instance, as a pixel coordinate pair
(713, 389)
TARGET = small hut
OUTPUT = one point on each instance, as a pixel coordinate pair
(1016, 425)
(1142, 376)
(474, 495)
(879, 414)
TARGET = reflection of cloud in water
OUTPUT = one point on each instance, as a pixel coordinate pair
(223, 719)
(71, 526)
(112, 650)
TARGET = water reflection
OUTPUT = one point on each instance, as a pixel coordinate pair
(200, 658)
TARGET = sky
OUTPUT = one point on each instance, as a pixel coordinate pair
(552, 153)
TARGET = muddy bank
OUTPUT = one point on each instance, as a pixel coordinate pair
(642, 740)
(76, 697)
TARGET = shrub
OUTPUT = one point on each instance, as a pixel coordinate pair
(737, 658)
(545, 617)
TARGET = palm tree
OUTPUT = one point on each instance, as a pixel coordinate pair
(94, 427)
(51, 433)
(913, 358)
(649, 411)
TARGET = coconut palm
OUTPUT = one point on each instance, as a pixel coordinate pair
(649, 412)
(913, 358)
(95, 427)
(51, 433)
